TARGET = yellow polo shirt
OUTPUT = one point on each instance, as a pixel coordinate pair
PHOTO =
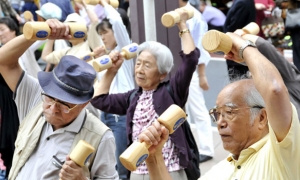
(267, 159)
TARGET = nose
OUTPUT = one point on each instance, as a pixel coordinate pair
(221, 122)
(54, 107)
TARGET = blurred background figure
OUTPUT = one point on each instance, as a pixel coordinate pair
(29, 5)
(263, 10)
(7, 10)
(64, 5)
(16, 4)
(214, 17)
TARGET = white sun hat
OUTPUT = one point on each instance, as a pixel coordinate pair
(50, 11)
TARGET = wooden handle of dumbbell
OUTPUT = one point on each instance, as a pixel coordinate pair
(138, 152)
(104, 62)
(41, 30)
(169, 19)
(129, 51)
(214, 40)
(81, 153)
(28, 16)
(113, 3)
(101, 63)
(88, 57)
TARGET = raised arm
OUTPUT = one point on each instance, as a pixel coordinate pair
(269, 83)
(120, 32)
(187, 41)
(11, 51)
(103, 86)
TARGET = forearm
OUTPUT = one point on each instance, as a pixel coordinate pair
(270, 85)
(187, 41)
(48, 48)
(103, 86)
(157, 168)
(201, 70)
(14, 49)
(91, 13)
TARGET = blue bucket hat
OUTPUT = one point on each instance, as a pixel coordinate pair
(70, 81)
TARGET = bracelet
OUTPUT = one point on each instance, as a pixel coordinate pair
(184, 31)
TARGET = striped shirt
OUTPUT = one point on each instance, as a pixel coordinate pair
(144, 116)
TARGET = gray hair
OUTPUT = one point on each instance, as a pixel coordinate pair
(162, 54)
(253, 98)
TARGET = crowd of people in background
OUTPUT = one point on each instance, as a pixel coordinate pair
(50, 98)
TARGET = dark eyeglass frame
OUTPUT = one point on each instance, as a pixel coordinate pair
(53, 101)
(215, 116)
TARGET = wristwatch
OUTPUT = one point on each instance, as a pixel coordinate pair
(243, 47)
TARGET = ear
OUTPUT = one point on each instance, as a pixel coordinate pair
(262, 119)
(162, 76)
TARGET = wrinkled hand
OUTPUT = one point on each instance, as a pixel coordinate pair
(71, 171)
(237, 42)
(203, 82)
(117, 61)
(155, 135)
(184, 16)
(59, 30)
(99, 51)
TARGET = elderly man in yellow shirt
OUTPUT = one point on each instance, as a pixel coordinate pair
(257, 123)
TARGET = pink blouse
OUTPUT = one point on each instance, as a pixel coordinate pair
(143, 117)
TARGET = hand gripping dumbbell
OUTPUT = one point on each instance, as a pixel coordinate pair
(81, 153)
(28, 16)
(41, 30)
(113, 3)
(214, 40)
(169, 19)
(138, 152)
(104, 62)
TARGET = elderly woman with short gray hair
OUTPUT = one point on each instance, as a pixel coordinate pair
(144, 105)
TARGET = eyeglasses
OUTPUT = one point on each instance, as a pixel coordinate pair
(226, 112)
(64, 107)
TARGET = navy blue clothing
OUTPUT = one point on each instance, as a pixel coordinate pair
(241, 13)
(179, 84)
(64, 5)
(30, 6)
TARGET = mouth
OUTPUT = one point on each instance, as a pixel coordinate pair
(224, 137)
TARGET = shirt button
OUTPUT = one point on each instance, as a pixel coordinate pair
(239, 167)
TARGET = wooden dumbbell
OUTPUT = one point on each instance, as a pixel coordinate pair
(81, 153)
(138, 152)
(169, 19)
(41, 30)
(90, 56)
(214, 40)
(28, 16)
(104, 62)
(113, 3)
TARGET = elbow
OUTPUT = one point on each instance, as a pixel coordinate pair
(278, 88)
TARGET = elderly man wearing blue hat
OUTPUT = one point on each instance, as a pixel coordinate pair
(53, 117)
